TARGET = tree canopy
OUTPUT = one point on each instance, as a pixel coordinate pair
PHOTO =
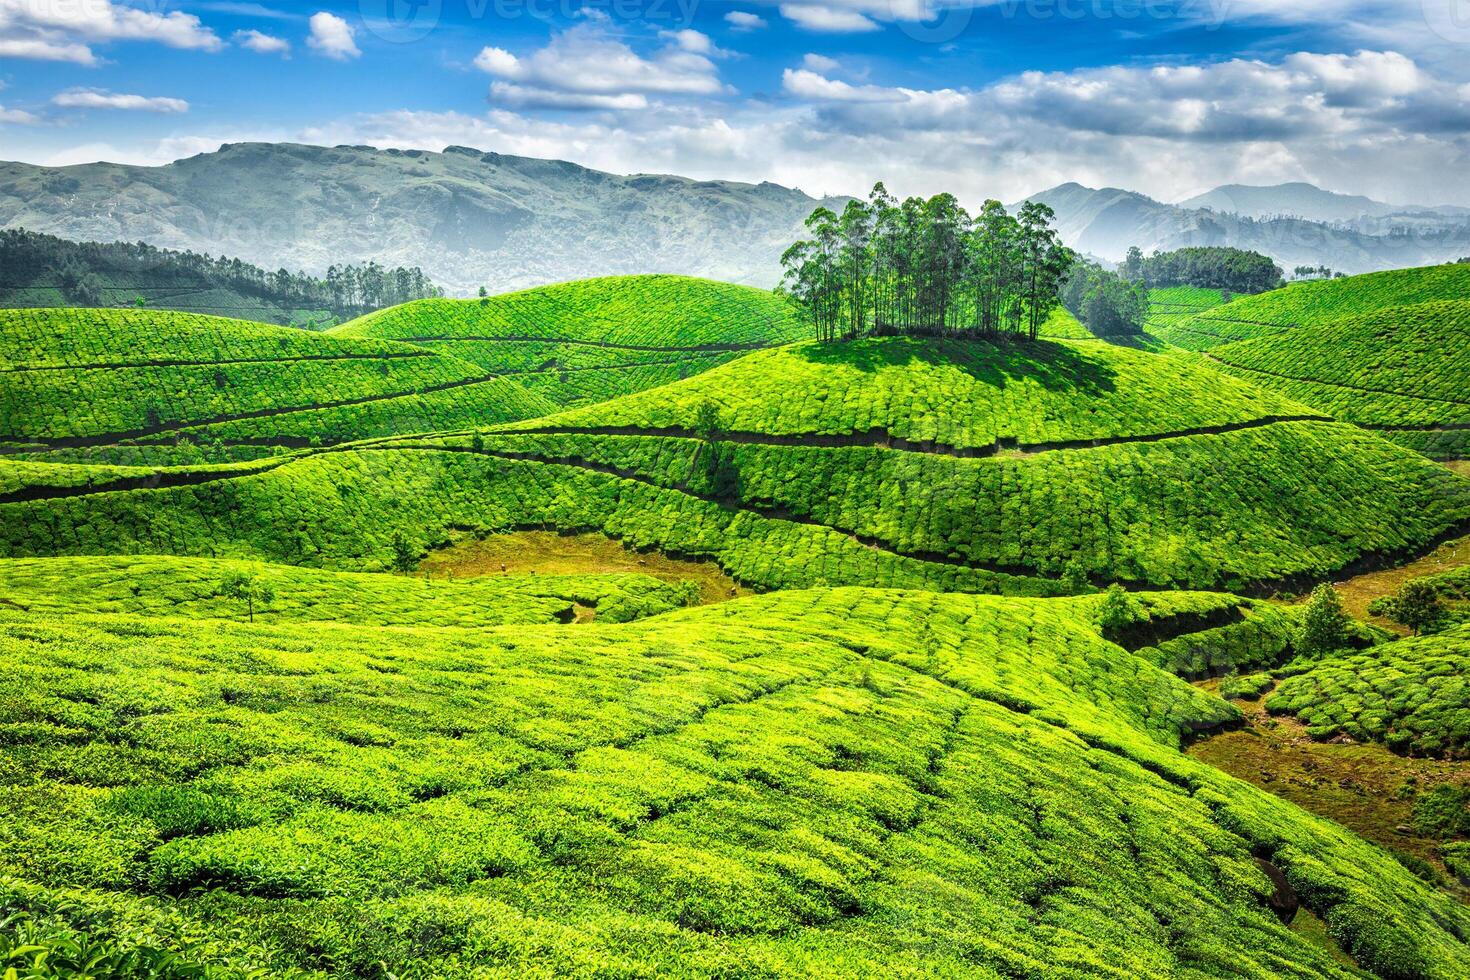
(1210, 267)
(1109, 304)
(926, 267)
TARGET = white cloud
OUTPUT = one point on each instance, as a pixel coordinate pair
(63, 30)
(740, 20)
(584, 67)
(17, 117)
(827, 20)
(87, 98)
(820, 63)
(262, 43)
(332, 37)
(805, 84)
(40, 49)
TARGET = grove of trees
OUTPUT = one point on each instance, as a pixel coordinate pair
(921, 266)
(1210, 267)
(1109, 304)
(81, 270)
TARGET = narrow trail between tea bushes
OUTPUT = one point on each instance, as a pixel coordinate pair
(214, 362)
(599, 344)
(1338, 384)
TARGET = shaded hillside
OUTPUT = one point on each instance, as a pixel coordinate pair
(595, 339)
(466, 217)
(810, 784)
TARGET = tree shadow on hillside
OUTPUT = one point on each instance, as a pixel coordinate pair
(994, 362)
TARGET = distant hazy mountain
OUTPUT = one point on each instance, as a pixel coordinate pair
(1300, 200)
(1106, 222)
(466, 217)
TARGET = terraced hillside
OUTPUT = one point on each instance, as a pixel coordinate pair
(1316, 304)
(93, 378)
(1411, 694)
(597, 338)
(958, 465)
(1169, 305)
(154, 585)
(827, 783)
(1403, 372)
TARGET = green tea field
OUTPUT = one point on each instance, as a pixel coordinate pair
(619, 629)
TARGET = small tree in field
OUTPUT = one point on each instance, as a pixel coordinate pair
(405, 553)
(1118, 609)
(1324, 625)
(245, 587)
(1416, 605)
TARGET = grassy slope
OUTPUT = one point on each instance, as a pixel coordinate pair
(597, 338)
(1402, 369)
(1411, 694)
(98, 376)
(827, 783)
(152, 585)
(1315, 304)
(1186, 506)
(967, 394)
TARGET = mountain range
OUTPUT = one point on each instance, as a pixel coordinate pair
(466, 217)
(473, 219)
(1296, 224)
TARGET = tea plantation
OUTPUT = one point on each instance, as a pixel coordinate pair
(1402, 371)
(830, 783)
(77, 378)
(244, 733)
(597, 338)
(1410, 694)
(1316, 304)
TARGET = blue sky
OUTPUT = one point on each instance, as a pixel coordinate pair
(988, 98)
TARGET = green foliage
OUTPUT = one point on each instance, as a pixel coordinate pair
(157, 586)
(926, 267)
(45, 271)
(1413, 695)
(107, 375)
(1247, 686)
(803, 784)
(1416, 604)
(1324, 623)
(1211, 267)
(406, 554)
(1317, 304)
(1118, 610)
(1107, 303)
(592, 340)
(245, 587)
(1400, 370)
(1443, 811)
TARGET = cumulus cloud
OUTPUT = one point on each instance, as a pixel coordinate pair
(332, 37)
(806, 84)
(584, 67)
(741, 20)
(262, 43)
(65, 31)
(820, 63)
(91, 98)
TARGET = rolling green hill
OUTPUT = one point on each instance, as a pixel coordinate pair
(88, 378)
(829, 783)
(594, 339)
(1410, 694)
(153, 585)
(966, 466)
(1402, 371)
(1316, 304)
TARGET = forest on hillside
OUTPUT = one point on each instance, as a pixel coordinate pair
(99, 274)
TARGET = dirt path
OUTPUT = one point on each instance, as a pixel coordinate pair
(1360, 590)
(549, 553)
